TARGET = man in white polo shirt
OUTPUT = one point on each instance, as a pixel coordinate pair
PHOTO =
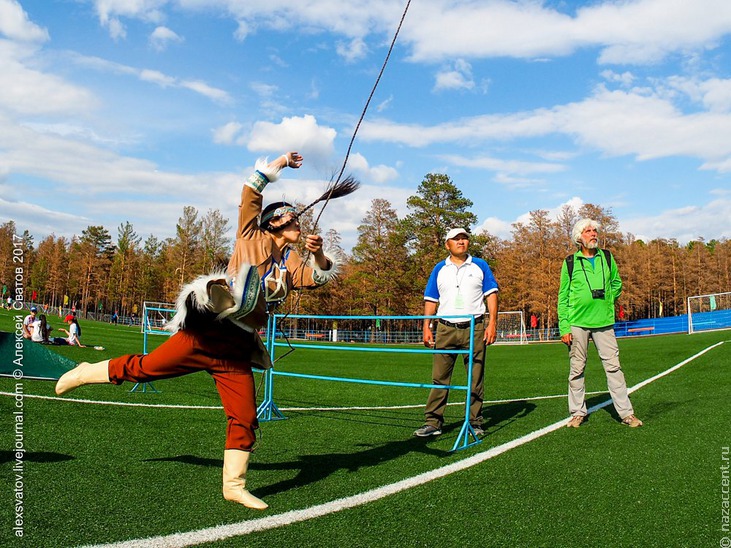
(458, 286)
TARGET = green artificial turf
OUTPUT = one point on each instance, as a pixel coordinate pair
(105, 473)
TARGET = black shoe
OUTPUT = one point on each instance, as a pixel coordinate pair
(426, 431)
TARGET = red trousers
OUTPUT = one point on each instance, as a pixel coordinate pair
(224, 352)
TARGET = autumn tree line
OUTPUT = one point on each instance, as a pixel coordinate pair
(385, 272)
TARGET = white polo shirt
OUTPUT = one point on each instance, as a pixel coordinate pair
(460, 290)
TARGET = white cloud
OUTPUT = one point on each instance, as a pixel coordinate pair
(642, 31)
(352, 51)
(117, 30)
(80, 167)
(14, 24)
(684, 224)
(714, 93)
(24, 90)
(624, 79)
(39, 220)
(226, 134)
(495, 227)
(501, 165)
(215, 94)
(385, 104)
(379, 174)
(621, 123)
(161, 37)
(456, 76)
(616, 123)
(302, 134)
(263, 90)
(499, 28)
(155, 77)
(111, 12)
(242, 31)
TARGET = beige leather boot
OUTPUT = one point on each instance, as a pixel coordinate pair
(235, 464)
(84, 373)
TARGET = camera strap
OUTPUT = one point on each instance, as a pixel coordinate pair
(570, 261)
(604, 283)
(570, 267)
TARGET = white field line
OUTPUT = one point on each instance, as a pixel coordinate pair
(221, 532)
(351, 408)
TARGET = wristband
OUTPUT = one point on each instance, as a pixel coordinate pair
(257, 181)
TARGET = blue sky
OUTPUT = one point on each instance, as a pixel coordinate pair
(129, 110)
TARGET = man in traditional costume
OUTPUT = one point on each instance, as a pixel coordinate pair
(215, 328)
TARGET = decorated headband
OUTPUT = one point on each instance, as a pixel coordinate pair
(279, 212)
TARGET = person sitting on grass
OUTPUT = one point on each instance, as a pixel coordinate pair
(40, 330)
(28, 322)
(73, 334)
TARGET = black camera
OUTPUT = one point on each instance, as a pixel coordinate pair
(597, 294)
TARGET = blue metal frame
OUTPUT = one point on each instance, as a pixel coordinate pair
(143, 386)
(268, 410)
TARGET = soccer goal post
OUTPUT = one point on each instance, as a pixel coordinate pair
(511, 327)
(154, 317)
(709, 312)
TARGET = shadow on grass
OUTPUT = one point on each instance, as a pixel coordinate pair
(653, 411)
(314, 468)
(501, 415)
(34, 456)
(189, 459)
(601, 398)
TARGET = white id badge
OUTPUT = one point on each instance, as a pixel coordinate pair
(459, 301)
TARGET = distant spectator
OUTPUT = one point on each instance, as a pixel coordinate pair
(115, 317)
(41, 330)
(28, 322)
(533, 321)
(73, 333)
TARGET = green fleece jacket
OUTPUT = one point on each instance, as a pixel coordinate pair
(575, 303)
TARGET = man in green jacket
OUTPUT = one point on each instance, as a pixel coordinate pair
(590, 284)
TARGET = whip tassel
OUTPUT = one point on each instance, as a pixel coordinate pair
(336, 190)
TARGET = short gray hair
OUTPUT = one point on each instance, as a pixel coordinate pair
(582, 225)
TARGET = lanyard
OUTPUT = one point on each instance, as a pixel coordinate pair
(582, 259)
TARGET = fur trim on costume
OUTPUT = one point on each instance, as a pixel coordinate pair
(321, 276)
(197, 290)
(271, 173)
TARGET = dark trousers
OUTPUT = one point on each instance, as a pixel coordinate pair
(448, 338)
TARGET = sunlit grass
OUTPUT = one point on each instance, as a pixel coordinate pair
(107, 473)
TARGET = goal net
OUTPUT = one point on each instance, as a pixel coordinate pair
(709, 312)
(511, 327)
(154, 317)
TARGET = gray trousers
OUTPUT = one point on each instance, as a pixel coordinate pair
(447, 338)
(606, 345)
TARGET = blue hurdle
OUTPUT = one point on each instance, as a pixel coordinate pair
(268, 410)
